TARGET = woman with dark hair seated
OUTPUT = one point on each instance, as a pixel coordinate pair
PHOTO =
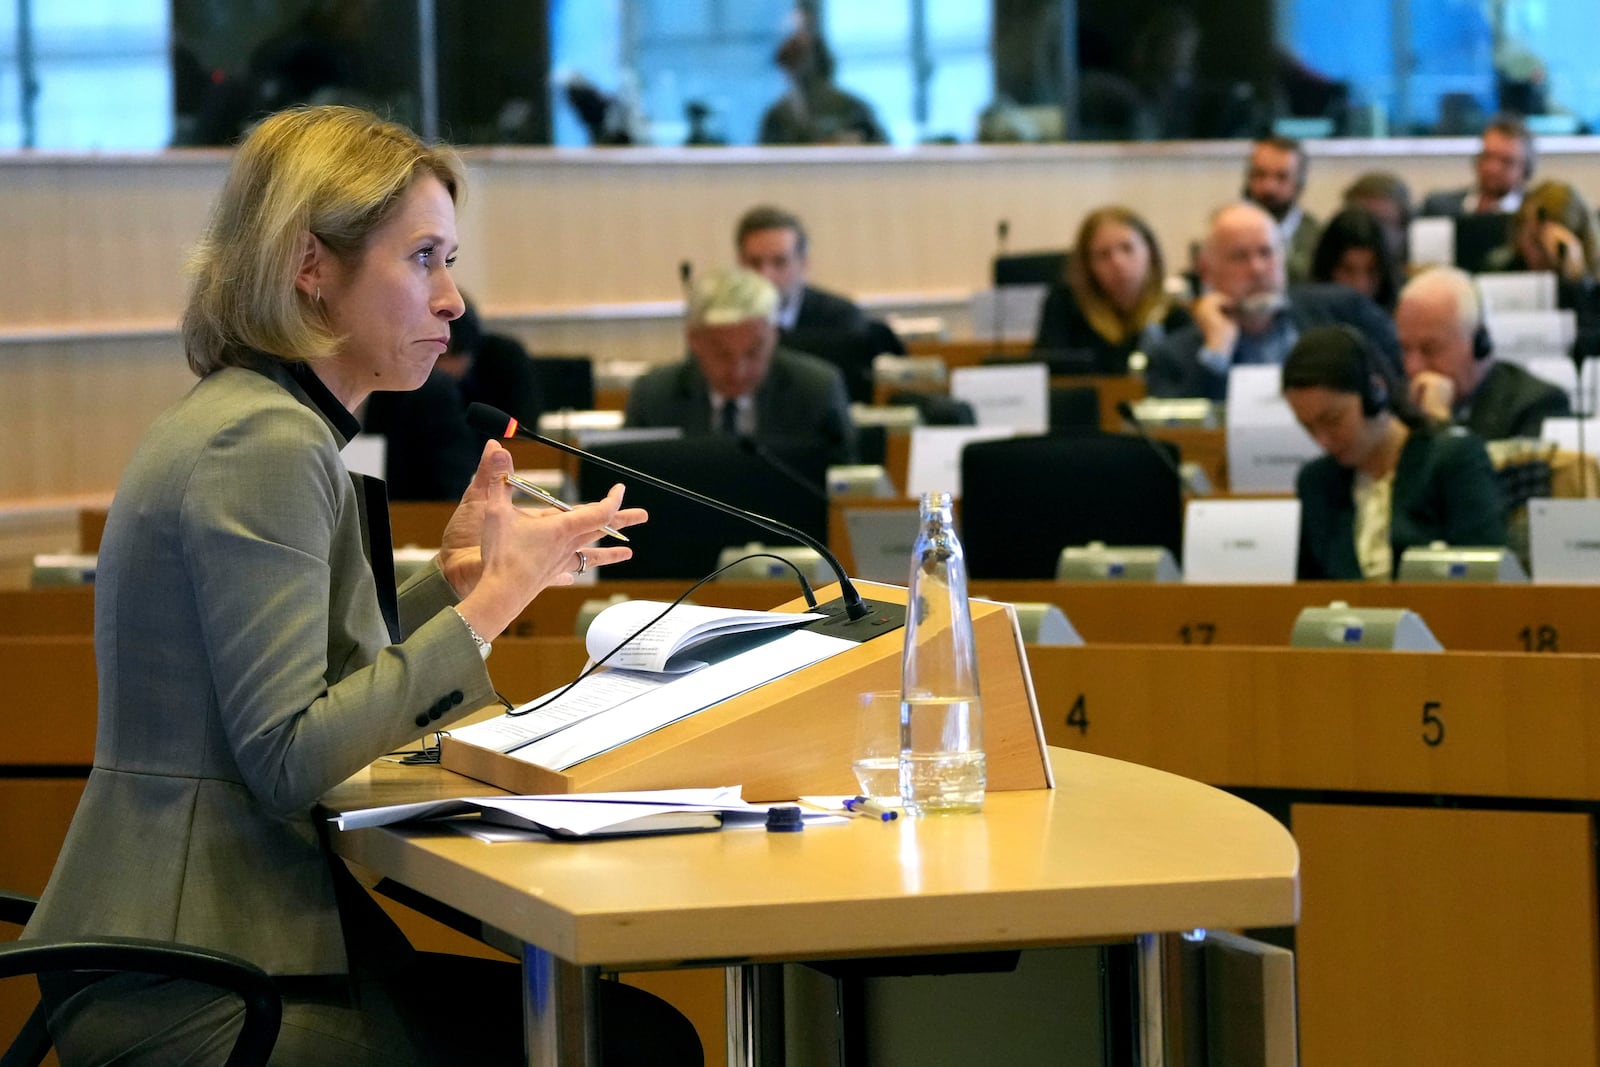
(1355, 251)
(1113, 300)
(1390, 479)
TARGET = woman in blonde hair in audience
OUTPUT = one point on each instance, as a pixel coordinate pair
(1113, 300)
(1553, 230)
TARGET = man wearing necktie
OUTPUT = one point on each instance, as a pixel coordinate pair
(737, 380)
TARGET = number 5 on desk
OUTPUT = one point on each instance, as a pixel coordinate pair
(1432, 725)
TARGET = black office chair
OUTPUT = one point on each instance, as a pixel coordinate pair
(1024, 499)
(565, 382)
(1030, 268)
(936, 409)
(1074, 408)
(263, 1008)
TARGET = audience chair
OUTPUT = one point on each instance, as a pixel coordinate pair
(1024, 499)
(565, 382)
(263, 1008)
(1074, 408)
(936, 409)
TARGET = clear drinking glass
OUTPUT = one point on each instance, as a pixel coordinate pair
(877, 751)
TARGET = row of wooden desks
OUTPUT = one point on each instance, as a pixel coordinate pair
(1464, 617)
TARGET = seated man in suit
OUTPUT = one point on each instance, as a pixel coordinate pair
(1450, 365)
(739, 381)
(1248, 315)
(1503, 165)
(773, 243)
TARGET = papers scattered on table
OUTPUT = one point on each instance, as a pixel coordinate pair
(571, 815)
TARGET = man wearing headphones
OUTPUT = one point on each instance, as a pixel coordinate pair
(1274, 180)
(1451, 371)
(1503, 165)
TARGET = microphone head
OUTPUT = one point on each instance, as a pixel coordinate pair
(1125, 409)
(490, 421)
(1003, 229)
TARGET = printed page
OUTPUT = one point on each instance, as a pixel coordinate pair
(600, 691)
(683, 627)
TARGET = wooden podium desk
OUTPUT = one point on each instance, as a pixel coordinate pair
(1116, 850)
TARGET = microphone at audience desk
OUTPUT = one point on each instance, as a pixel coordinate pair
(1125, 409)
(861, 621)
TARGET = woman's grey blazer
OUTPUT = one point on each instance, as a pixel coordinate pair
(245, 667)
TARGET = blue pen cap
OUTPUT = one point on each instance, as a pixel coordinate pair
(785, 820)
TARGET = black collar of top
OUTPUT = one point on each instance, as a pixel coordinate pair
(340, 417)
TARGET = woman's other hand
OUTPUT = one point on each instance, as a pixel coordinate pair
(499, 557)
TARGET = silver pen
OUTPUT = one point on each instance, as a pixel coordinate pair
(518, 482)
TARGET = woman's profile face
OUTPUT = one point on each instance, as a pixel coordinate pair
(1358, 268)
(1335, 421)
(1119, 262)
(393, 306)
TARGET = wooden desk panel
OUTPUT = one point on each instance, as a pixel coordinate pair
(1429, 936)
(1462, 723)
(1509, 617)
(1465, 617)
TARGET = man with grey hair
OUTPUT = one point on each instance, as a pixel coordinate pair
(1248, 315)
(738, 381)
(1451, 372)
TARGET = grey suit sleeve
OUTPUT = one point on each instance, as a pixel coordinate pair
(305, 700)
(841, 429)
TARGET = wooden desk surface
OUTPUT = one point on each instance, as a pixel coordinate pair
(1115, 850)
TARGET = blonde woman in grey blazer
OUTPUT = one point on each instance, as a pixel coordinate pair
(251, 647)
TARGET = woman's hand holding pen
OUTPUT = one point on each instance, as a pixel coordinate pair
(498, 557)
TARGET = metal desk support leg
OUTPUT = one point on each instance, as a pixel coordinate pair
(560, 1011)
(1152, 1001)
(755, 1015)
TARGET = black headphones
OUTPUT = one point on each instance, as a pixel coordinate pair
(1482, 345)
(1374, 383)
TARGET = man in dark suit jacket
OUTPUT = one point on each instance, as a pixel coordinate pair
(1503, 165)
(1450, 367)
(738, 381)
(1246, 314)
(773, 243)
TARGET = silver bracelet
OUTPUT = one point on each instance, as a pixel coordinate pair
(484, 647)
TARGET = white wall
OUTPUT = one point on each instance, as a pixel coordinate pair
(577, 251)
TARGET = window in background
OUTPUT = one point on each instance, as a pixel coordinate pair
(1446, 66)
(100, 73)
(671, 72)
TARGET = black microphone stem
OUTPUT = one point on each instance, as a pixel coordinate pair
(497, 423)
(1125, 409)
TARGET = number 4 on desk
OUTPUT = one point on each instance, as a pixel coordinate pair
(1078, 715)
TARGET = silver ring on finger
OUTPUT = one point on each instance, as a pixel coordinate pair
(583, 563)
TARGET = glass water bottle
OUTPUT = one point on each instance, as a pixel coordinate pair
(941, 716)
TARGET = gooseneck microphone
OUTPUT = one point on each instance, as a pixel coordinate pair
(685, 275)
(750, 446)
(1125, 409)
(1002, 230)
(492, 422)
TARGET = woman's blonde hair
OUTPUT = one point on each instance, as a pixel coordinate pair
(333, 172)
(1556, 201)
(1104, 316)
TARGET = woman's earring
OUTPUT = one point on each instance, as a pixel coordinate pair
(319, 294)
